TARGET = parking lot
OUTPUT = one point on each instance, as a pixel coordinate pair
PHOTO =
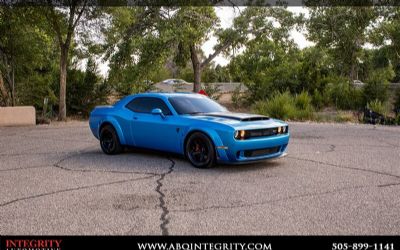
(337, 179)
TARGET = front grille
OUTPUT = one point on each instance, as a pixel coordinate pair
(259, 152)
(262, 132)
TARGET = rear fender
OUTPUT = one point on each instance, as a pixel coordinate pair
(116, 126)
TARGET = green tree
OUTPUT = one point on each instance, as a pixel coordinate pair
(63, 21)
(136, 43)
(26, 57)
(377, 85)
(343, 31)
(85, 89)
(266, 67)
(386, 35)
(146, 36)
(270, 61)
(195, 25)
(316, 65)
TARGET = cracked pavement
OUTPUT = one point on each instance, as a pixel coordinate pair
(337, 179)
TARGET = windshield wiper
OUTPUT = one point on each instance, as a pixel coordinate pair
(195, 113)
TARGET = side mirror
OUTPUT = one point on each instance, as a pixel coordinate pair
(158, 112)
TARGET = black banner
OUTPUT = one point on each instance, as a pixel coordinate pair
(220, 3)
(199, 242)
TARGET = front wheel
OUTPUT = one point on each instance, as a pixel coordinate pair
(109, 141)
(200, 151)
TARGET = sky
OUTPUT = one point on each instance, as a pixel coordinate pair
(226, 16)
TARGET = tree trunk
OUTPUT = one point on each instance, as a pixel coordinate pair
(62, 108)
(353, 67)
(4, 92)
(196, 69)
(353, 72)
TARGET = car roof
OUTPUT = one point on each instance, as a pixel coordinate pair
(167, 94)
(162, 95)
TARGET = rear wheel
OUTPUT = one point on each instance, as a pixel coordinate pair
(109, 141)
(200, 151)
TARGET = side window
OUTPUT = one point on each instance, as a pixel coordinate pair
(147, 104)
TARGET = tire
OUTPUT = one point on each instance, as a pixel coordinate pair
(109, 141)
(200, 150)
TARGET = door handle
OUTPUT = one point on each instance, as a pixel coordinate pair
(135, 118)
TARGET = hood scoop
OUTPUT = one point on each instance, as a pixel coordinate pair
(239, 116)
(256, 118)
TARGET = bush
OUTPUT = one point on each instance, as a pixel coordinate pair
(213, 90)
(397, 101)
(317, 99)
(85, 90)
(286, 107)
(280, 106)
(379, 107)
(237, 96)
(375, 91)
(303, 101)
(342, 94)
(377, 85)
(304, 108)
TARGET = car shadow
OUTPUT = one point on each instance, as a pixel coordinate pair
(245, 167)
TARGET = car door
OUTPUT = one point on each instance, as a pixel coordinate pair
(153, 131)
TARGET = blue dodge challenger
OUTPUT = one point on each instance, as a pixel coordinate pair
(189, 124)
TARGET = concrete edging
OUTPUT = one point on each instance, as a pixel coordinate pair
(17, 116)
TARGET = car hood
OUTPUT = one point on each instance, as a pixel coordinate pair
(239, 120)
(239, 116)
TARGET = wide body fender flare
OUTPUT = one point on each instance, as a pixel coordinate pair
(117, 127)
(215, 138)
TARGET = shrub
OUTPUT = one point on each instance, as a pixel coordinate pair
(85, 90)
(375, 91)
(213, 90)
(397, 101)
(317, 99)
(237, 97)
(379, 107)
(286, 107)
(342, 94)
(304, 108)
(397, 120)
(280, 106)
(377, 85)
(303, 100)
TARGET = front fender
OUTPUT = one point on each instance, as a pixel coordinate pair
(117, 127)
(216, 139)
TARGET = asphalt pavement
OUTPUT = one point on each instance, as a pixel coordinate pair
(337, 179)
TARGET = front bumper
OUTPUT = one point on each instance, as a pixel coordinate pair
(242, 151)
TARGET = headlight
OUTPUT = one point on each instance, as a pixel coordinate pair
(240, 134)
(285, 129)
(282, 130)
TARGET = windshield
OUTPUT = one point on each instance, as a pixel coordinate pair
(194, 105)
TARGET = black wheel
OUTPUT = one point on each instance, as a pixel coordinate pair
(200, 151)
(109, 141)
